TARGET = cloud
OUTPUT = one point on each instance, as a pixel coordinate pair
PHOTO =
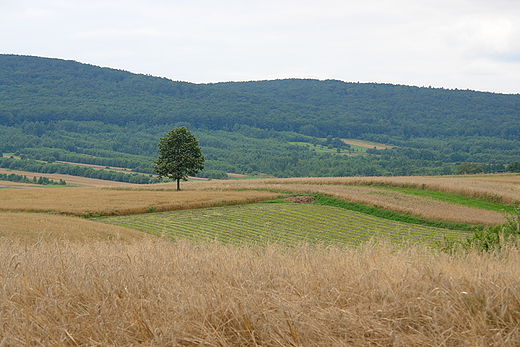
(442, 43)
(491, 37)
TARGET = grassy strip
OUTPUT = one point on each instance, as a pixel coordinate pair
(250, 178)
(391, 215)
(454, 199)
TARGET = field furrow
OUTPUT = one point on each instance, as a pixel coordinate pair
(286, 223)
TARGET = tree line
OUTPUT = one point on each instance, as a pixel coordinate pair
(252, 151)
(35, 180)
(75, 170)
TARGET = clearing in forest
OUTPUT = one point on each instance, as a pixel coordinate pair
(366, 144)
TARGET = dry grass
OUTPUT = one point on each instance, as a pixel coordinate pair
(406, 203)
(503, 188)
(91, 201)
(30, 228)
(63, 284)
(71, 180)
(160, 293)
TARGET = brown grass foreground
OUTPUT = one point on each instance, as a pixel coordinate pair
(161, 293)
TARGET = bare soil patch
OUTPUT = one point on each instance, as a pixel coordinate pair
(301, 199)
(235, 175)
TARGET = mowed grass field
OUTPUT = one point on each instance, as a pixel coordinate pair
(502, 189)
(286, 223)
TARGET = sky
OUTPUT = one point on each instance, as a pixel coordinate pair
(464, 44)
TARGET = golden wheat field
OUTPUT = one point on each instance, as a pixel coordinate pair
(163, 293)
(160, 197)
(69, 281)
(31, 228)
(132, 198)
(91, 201)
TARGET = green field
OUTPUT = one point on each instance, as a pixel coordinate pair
(455, 199)
(280, 222)
(324, 149)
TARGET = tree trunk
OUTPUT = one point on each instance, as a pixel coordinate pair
(178, 184)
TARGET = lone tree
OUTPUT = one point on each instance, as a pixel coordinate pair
(179, 156)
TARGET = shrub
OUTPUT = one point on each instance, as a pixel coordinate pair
(494, 238)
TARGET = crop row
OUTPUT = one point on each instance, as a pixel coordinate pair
(287, 223)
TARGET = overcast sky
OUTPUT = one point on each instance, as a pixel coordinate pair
(465, 44)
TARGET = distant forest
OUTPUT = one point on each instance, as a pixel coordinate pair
(55, 110)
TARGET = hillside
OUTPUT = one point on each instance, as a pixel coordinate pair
(395, 111)
(52, 109)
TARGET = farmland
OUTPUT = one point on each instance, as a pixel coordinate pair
(365, 144)
(258, 273)
(31, 228)
(356, 146)
(71, 180)
(465, 199)
(114, 201)
(162, 293)
(327, 246)
(290, 224)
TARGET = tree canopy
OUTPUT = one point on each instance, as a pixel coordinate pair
(179, 156)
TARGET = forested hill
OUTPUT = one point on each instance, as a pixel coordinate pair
(356, 109)
(41, 89)
(65, 110)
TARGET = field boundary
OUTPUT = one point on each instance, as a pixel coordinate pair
(164, 208)
(392, 215)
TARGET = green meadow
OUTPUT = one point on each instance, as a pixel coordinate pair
(286, 223)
